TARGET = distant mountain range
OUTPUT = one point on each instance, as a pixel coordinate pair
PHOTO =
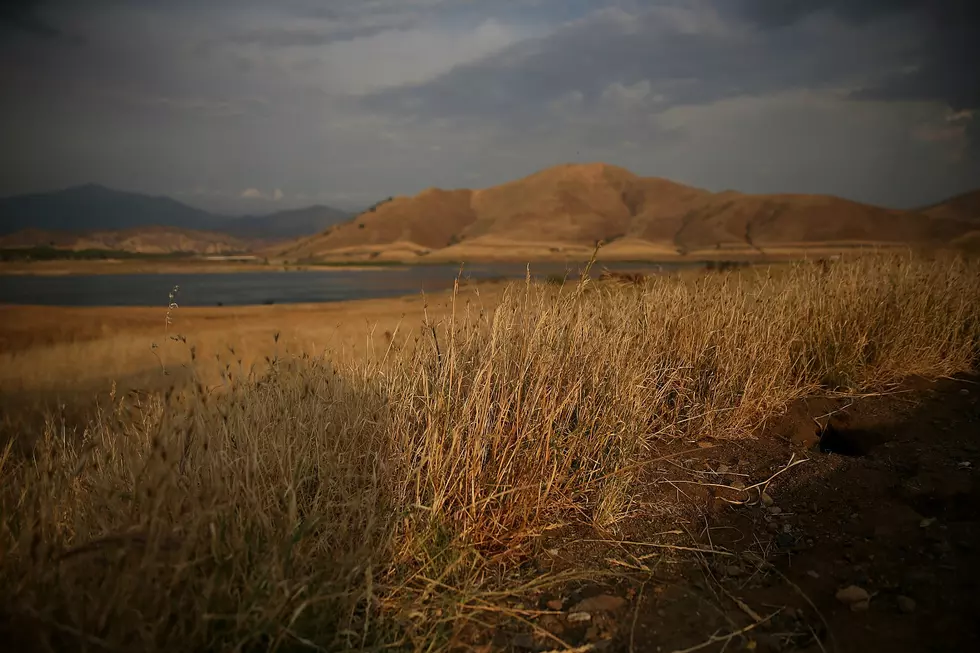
(562, 211)
(559, 212)
(93, 208)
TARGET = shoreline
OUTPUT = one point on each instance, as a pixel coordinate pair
(109, 267)
(119, 266)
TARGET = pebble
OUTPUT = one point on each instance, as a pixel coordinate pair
(775, 510)
(812, 574)
(579, 617)
(524, 641)
(555, 604)
(600, 603)
(964, 391)
(722, 469)
(857, 598)
(734, 570)
(767, 500)
(905, 604)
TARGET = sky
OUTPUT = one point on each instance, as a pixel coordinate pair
(250, 105)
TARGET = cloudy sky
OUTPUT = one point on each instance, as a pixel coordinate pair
(242, 105)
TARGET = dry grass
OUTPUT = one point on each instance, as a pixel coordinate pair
(382, 501)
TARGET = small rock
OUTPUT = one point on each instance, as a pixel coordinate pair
(772, 527)
(905, 604)
(579, 617)
(767, 500)
(555, 604)
(927, 522)
(765, 643)
(524, 641)
(600, 603)
(964, 391)
(734, 571)
(775, 510)
(855, 597)
(722, 469)
(812, 574)
(966, 464)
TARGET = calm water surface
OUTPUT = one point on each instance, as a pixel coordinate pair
(280, 287)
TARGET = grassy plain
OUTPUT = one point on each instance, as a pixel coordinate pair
(383, 498)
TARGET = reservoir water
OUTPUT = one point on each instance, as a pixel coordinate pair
(273, 287)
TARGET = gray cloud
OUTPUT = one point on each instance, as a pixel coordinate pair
(347, 101)
(943, 49)
(687, 56)
(23, 15)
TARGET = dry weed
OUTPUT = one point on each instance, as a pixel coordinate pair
(380, 502)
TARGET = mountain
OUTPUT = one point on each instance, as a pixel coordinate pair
(143, 240)
(964, 207)
(285, 225)
(564, 210)
(89, 208)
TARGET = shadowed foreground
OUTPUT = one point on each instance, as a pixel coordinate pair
(406, 500)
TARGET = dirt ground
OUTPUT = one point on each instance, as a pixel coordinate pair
(884, 506)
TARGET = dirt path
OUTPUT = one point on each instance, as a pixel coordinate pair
(891, 511)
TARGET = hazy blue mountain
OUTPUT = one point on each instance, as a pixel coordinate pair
(96, 208)
(293, 223)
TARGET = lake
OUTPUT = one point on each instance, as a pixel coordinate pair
(274, 287)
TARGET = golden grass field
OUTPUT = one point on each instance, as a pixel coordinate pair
(382, 498)
(58, 349)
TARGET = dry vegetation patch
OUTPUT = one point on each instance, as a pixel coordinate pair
(387, 501)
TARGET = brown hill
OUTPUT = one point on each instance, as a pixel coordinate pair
(144, 240)
(964, 207)
(563, 211)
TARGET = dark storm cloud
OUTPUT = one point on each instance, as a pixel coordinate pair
(24, 16)
(350, 100)
(946, 46)
(298, 38)
(686, 63)
(780, 13)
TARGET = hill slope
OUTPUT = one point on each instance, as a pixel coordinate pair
(964, 207)
(564, 210)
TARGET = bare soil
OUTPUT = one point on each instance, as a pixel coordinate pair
(885, 500)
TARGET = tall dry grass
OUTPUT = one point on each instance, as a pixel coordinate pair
(379, 503)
